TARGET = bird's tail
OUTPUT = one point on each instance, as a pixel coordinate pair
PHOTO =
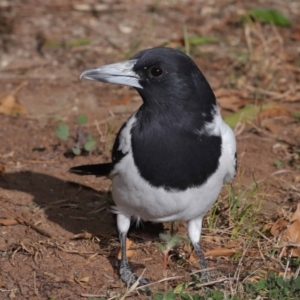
(97, 169)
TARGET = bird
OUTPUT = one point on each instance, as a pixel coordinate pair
(171, 158)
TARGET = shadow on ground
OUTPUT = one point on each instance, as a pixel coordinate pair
(72, 206)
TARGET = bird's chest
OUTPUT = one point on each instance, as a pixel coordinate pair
(164, 174)
(175, 158)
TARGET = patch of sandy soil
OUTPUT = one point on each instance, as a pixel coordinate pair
(44, 47)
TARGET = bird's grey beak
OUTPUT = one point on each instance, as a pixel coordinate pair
(121, 73)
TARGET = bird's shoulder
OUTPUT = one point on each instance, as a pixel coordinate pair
(122, 144)
(229, 146)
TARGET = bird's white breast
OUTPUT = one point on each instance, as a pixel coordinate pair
(134, 196)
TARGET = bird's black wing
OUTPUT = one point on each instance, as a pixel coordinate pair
(102, 169)
(96, 169)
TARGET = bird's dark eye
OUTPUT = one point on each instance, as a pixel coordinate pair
(156, 71)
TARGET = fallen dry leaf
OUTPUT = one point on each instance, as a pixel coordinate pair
(267, 227)
(1, 284)
(232, 103)
(295, 252)
(212, 238)
(12, 294)
(91, 257)
(192, 259)
(254, 278)
(79, 282)
(296, 35)
(7, 155)
(292, 97)
(8, 222)
(84, 279)
(272, 112)
(84, 235)
(230, 99)
(279, 226)
(233, 244)
(296, 214)
(271, 125)
(9, 105)
(291, 235)
(53, 276)
(125, 100)
(129, 252)
(220, 252)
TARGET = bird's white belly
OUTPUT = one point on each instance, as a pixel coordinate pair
(136, 197)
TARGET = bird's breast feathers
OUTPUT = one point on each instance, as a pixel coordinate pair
(139, 197)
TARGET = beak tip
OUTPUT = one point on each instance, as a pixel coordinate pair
(81, 76)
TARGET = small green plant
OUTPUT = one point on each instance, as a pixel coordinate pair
(243, 210)
(70, 43)
(191, 43)
(278, 164)
(275, 287)
(169, 243)
(82, 141)
(265, 15)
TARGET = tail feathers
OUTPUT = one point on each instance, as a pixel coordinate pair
(97, 169)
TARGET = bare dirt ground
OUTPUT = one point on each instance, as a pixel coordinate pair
(44, 46)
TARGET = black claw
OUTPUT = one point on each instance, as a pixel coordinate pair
(128, 277)
(202, 276)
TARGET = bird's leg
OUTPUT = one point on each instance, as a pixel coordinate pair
(172, 228)
(194, 231)
(125, 272)
(200, 255)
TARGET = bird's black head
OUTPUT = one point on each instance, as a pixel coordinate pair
(163, 76)
(168, 76)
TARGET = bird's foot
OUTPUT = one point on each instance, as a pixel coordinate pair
(203, 276)
(128, 277)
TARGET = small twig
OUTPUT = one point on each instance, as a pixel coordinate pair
(18, 88)
(34, 285)
(260, 252)
(13, 256)
(91, 295)
(201, 271)
(287, 265)
(279, 172)
(275, 260)
(253, 272)
(277, 34)
(22, 220)
(261, 234)
(24, 83)
(97, 123)
(216, 281)
(111, 113)
(238, 269)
